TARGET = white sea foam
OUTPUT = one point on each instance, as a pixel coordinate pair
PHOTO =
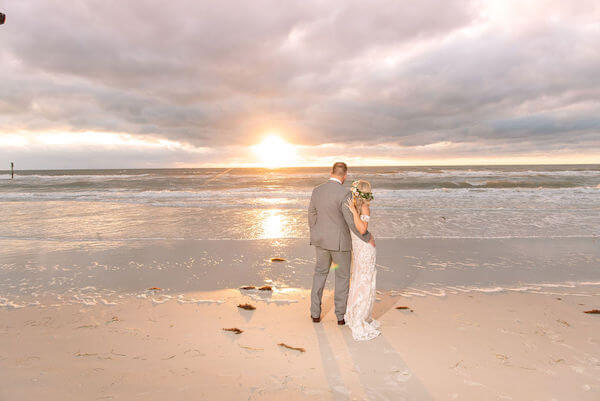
(86, 300)
(183, 300)
(271, 300)
(9, 304)
(566, 288)
(160, 300)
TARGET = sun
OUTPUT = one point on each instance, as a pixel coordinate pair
(275, 152)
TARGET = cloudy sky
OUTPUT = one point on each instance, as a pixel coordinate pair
(95, 84)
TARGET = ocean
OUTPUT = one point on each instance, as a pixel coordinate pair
(410, 202)
(99, 235)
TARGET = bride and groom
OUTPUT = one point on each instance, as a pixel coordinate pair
(338, 220)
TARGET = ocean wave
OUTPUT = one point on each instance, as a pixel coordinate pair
(393, 191)
(491, 173)
(401, 178)
(304, 186)
(67, 177)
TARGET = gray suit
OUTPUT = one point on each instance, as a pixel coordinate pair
(330, 223)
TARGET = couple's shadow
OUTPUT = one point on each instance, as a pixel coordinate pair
(382, 372)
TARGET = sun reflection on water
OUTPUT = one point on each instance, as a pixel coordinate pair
(274, 224)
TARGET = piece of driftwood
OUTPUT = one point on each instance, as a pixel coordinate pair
(246, 306)
(266, 288)
(277, 260)
(290, 347)
(404, 308)
(247, 287)
(154, 289)
(252, 348)
(235, 330)
(593, 311)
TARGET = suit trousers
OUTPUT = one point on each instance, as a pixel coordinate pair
(341, 260)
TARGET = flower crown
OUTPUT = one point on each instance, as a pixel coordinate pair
(357, 192)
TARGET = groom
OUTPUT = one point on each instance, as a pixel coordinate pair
(330, 223)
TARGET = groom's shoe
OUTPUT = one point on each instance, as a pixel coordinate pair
(316, 319)
(341, 322)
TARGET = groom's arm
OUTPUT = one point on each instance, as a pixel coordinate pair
(350, 220)
(312, 212)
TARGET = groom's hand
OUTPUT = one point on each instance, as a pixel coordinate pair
(372, 241)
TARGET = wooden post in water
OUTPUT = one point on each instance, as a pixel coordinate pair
(12, 170)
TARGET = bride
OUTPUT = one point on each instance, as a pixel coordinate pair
(362, 285)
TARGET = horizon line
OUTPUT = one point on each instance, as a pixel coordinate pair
(310, 166)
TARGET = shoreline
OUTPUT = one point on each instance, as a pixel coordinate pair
(72, 271)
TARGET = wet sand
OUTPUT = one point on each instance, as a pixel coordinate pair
(56, 272)
(502, 346)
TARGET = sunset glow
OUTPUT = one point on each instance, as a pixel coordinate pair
(275, 152)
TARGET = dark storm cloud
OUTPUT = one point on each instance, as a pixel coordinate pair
(214, 73)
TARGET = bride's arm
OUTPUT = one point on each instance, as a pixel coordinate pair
(366, 237)
(360, 224)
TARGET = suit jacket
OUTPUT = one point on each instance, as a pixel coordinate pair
(329, 218)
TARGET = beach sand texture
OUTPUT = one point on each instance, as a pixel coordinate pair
(507, 346)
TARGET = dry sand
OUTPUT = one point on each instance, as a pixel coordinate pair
(505, 346)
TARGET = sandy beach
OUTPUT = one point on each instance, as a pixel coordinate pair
(508, 346)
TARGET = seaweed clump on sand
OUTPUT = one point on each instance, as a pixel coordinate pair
(593, 311)
(234, 330)
(114, 319)
(265, 288)
(290, 347)
(246, 306)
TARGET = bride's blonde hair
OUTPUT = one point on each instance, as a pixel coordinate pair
(363, 187)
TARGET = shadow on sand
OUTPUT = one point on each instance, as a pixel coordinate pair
(330, 366)
(382, 372)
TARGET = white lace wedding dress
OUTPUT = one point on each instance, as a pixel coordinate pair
(362, 290)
